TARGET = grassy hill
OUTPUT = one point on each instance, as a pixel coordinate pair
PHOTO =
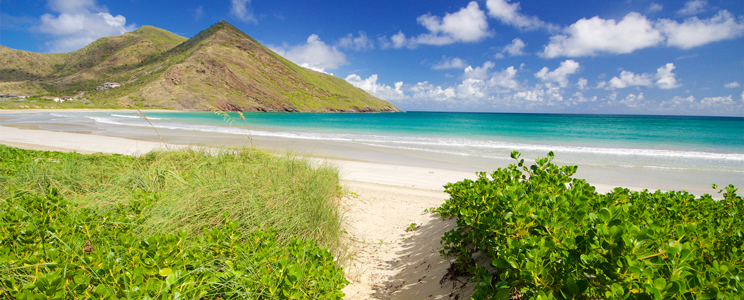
(221, 66)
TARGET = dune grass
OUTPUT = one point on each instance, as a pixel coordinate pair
(195, 189)
(190, 224)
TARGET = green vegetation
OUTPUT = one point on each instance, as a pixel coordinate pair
(169, 71)
(181, 224)
(549, 236)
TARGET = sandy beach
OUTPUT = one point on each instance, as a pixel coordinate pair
(384, 199)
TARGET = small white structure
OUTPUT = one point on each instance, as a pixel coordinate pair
(58, 100)
(111, 85)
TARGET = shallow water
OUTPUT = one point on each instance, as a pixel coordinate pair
(687, 150)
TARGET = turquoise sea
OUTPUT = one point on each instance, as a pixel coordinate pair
(655, 142)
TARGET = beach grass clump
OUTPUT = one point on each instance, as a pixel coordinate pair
(550, 236)
(195, 188)
(195, 201)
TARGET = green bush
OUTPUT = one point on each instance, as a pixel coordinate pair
(48, 250)
(549, 236)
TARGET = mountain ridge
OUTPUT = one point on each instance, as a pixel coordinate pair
(220, 67)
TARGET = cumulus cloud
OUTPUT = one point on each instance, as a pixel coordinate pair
(427, 91)
(589, 37)
(560, 74)
(633, 101)
(663, 79)
(480, 73)
(466, 25)
(731, 85)
(596, 35)
(582, 84)
(381, 91)
(242, 10)
(358, 43)
(78, 23)
(694, 32)
(693, 7)
(708, 102)
(450, 63)
(628, 79)
(508, 13)
(516, 48)
(655, 7)
(315, 54)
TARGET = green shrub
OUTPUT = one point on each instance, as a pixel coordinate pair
(549, 236)
(48, 250)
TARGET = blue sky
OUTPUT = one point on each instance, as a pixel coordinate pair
(607, 57)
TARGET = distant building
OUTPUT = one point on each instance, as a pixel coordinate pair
(58, 100)
(12, 96)
(3, 99)
(2, 95)
(22, 97)
(66, 98)
(111, 85)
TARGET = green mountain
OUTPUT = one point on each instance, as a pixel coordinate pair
(220, 66)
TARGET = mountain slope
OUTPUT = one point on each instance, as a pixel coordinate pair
(221, 66)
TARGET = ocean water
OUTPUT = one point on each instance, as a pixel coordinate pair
(711, 144)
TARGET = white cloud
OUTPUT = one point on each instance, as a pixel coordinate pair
(427, 91)
(578, 97)
(593, 36)
(242, 10)
(663, 79)
(381, 91)
(505, 78)
(679, 101)
(716, 101)
(628, 78)
(693, 7)
(588, 37)
(508, 13)
(633, 101)
(315, 54)
(731, 85)
(694, 32)
(358, 43)
(79, 23)
(480, 73)
(655, 7)
(516, 48)
(469, 24)
(560, 74)
(601, 84)
(582, 84)
(533, 95)
(450, 63)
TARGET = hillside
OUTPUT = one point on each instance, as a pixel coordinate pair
(220, 66)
